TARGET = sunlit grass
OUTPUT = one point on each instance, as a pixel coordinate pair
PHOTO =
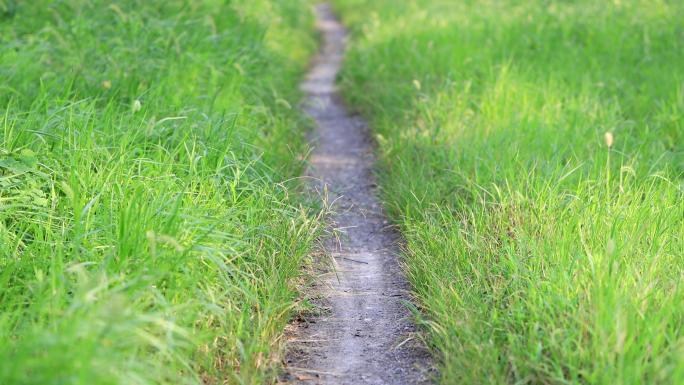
(532, 154)
(147, 235)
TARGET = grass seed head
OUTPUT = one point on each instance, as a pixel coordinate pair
(136, 105)
(608, 137)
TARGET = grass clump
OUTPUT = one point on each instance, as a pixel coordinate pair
(146, 236)
(532, 154)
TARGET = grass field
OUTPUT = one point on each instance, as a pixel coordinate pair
(146, 236)
(531, 153)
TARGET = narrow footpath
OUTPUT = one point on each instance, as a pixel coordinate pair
(365, 335)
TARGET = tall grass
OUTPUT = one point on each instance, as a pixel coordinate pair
(146, 231)
(532, 155)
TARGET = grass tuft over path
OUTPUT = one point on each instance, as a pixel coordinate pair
(146, 231)
(532, 153)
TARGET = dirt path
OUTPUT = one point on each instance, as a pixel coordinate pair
(367, 336)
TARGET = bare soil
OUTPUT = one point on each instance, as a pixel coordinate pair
(366, 334)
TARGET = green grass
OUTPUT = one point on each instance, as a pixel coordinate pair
(146, 236)
(539, 255)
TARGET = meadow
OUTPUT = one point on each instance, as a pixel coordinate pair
(149, 230)
(531, 154)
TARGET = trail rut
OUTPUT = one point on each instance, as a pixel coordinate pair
(366, 336)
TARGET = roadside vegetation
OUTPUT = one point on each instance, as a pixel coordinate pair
(147, 235)
(532, 155)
